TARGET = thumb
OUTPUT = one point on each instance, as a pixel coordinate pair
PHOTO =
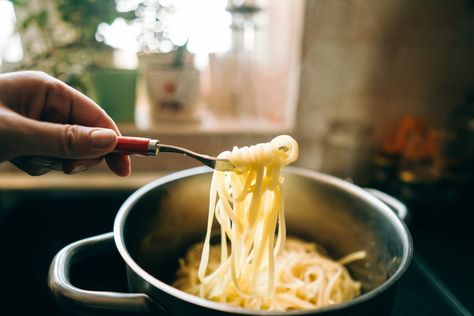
(67, 141)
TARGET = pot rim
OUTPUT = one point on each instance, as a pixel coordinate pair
(341, 184)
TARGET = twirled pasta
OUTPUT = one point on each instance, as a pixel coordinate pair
(250, 268)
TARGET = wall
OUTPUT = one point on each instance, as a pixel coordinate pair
(373, 61)
(370, 61)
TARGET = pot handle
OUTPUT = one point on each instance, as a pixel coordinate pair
(398, 207)
(79, 301)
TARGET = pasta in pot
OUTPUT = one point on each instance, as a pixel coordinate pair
(251, 268)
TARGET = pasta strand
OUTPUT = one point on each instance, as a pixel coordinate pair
(251, 267)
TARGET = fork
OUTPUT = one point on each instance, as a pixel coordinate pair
(151, 147)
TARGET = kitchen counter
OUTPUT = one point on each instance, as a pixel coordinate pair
(19, 181)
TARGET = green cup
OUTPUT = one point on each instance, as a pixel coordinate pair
(115, 91)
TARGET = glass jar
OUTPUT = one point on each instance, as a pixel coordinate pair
(347, 148)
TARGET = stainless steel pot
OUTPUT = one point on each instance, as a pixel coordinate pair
(161, 220)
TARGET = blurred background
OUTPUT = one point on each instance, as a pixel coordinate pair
(380, 93)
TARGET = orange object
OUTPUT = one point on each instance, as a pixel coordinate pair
(408, 127)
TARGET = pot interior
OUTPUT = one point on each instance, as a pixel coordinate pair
(170, 217)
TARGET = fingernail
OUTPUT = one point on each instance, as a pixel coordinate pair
(102, 138)
(78, 168)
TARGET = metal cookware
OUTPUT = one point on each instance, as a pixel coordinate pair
(157, 223)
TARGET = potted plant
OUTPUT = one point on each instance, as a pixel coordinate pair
(113, 88)
(172, 84)
(60, 38)
(167, 68)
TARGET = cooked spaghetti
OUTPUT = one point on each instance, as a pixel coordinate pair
(250, 268)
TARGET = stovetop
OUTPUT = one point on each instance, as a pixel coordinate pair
(439, 281)
(441, 277)
(421, 292)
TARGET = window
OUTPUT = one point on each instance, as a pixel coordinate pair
(241, 72)
(10, 45)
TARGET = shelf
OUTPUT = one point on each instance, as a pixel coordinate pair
(208, 125)
(86, 181)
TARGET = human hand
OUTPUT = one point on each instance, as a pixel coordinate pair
(45, 124)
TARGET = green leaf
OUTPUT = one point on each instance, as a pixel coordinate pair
(42, 19)
(26, 22)
(18, 2)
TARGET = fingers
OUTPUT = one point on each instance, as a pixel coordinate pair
(64, 141)
(41, 97)
(89, 133)
(36, 166)
(74, 142)
(76, 166)
(84, 111)
(119, 164)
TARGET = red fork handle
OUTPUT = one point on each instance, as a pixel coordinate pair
(136, 146)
